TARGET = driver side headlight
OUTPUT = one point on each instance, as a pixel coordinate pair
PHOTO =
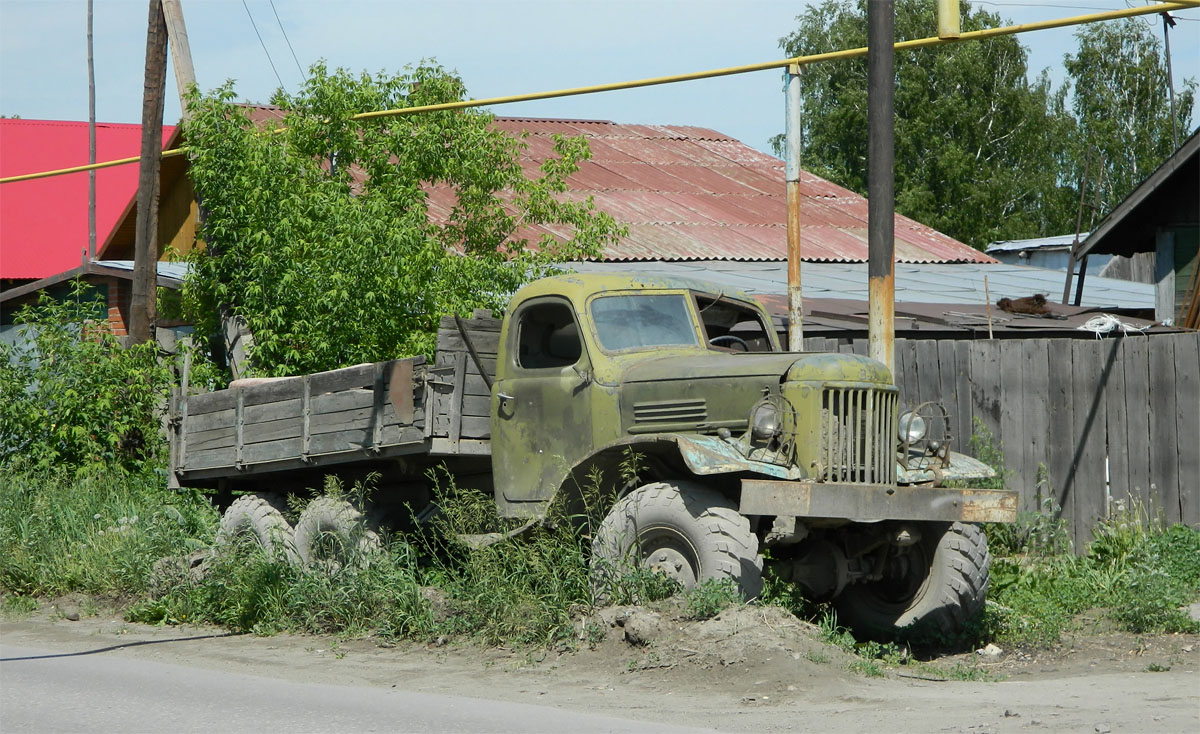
(912, 427)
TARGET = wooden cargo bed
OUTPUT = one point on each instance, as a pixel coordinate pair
(366, 412)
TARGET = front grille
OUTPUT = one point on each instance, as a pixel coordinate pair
(670, 411)
(857, 441)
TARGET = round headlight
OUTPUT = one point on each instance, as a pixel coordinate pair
(764, 421)
(912, 427)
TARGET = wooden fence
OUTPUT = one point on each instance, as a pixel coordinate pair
(1116, 419)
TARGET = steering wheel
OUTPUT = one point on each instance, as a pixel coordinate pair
(730, 338)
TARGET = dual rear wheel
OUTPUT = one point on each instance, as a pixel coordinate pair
(331, 531)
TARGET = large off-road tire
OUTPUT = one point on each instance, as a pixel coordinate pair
(682, 529)
(333, 532)
(937, 585)
(260, 517)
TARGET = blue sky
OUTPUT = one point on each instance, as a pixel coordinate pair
(499, 47)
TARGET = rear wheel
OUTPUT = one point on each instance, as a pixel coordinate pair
(680, 529)
(333, 532)
(259, 516)
(939, 582)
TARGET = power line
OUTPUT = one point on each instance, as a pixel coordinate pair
(264, 45)
(288, 40)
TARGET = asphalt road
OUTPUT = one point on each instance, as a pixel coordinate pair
(99, 691)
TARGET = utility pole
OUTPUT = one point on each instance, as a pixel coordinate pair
(1168, 24)
(792, 174)
(91, 138)
(143, 311)
(881, 223)
(181, 52)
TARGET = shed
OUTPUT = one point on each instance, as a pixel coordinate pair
(1162, 216)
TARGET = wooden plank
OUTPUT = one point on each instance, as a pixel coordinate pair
(271, 391)
(1088, 426)
(1136, 358)
(455, 411)
(358, 440)
(945, 388)
(479, 406)
(1013, 439)
(1116, 420)
(1164, 439)
(1062, 445)
(1187, 422)
(906, 374)
(306, 418)
(1035, 420)
(986, 384)
(928, 370)
(963, 403)
(448, 323)
(210, 402)
(360, 375)
(484, 341)
(474, 426)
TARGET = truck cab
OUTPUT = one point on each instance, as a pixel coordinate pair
(738, 445)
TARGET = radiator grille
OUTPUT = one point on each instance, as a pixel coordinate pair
(857, 441)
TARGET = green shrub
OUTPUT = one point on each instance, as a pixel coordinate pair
(72, 397)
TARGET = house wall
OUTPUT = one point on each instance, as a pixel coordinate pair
(1114, 422)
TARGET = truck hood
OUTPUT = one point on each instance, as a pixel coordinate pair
(818, 366)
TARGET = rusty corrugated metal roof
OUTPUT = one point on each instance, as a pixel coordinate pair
(688, 193)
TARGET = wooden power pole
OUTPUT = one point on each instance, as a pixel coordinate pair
(143, 309)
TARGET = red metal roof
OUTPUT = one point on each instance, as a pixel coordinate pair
(687, 193)
(44, 222)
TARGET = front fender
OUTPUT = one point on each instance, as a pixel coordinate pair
(706, 455)
(961, 468)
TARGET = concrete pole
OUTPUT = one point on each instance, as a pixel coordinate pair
(881, 80)
(792, 175)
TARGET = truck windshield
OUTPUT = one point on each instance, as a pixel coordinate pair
(643, 320)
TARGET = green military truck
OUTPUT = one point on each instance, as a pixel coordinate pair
(719, 448)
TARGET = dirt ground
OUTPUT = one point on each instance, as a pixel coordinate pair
(749, 669)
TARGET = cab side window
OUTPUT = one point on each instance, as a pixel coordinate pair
(729, 325)
(547, 337)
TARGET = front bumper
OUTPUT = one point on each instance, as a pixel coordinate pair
(876, 502)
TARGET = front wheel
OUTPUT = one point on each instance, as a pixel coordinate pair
(681, 529)
(940, 581)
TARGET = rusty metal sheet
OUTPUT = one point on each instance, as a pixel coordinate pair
(874, 502)
(400, 390)
(688, 193)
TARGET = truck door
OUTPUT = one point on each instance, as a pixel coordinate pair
(541, 412)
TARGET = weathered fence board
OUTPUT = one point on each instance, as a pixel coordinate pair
(1187, 422)
(1111, 421)
(1164, 442)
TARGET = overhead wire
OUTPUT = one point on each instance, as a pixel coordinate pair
(263, 44)
(712, 73)
(288, 41)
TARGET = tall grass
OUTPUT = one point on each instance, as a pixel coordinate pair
(99, 532)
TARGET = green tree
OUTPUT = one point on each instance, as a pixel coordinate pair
(71, 397)
(1122, 105)
(979, 149)
(342, 241)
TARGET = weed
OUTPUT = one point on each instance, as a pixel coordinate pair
(19, 606)
(710, 598)
(819, 658)
(1157, 668)
(98, 532)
